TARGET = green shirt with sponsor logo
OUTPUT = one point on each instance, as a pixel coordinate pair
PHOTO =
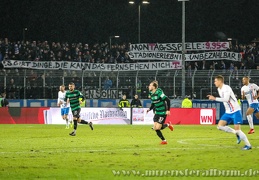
(73, 97)
(158, 100)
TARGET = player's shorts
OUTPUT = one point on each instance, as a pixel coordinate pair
(255, 106)
(76, 113)
(159, 118)
(64, 111)
(236, 117)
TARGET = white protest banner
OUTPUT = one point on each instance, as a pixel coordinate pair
(91, 66)
(214, 55)
(95, 115)
(189, 46)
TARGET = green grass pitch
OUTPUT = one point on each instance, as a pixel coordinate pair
(48, 152)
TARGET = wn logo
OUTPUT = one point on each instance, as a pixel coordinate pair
(206, 116)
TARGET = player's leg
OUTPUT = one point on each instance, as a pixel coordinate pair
(237, 126)
(75, 120)
(73, 133)
(222, 124)
(66, 119)
(158, 122)
(169, 125)
(63, 114)
(249, 117)
(81, 121)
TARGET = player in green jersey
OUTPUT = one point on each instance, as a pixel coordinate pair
(161, 103)
(72, 96)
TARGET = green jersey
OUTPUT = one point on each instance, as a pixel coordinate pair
(73, 97)
(158, 100)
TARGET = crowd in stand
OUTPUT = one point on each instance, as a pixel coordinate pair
(102, 53)
(57, 51)
(96, 53)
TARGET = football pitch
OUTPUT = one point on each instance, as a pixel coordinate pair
(125, 152)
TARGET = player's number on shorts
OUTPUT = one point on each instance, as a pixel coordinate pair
(160, 119)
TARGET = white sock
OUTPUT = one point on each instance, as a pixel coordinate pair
(243, 137)
(67, 122)
(226, 129)
(250, 121)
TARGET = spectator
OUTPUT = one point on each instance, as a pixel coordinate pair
(223, 66)
(11, 90)
(87, 57)
(231, 68)
(189, 71)
(124, 102)
(107, 83)
(196, 66)
(139, 87)
(187, 103)
(235, 73)
(3, 101)
(204, 65)
(136, 102)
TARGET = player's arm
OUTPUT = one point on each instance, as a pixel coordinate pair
(81, 96)
(257, 94)
(242, 94)
(167, 100)
(151, 107)
(59, 100)
(225, 98)
(66, 99)
(257, 91)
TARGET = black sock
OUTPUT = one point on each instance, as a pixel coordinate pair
(75, 124)
(164, 126)
(83, 122)
(160, 135)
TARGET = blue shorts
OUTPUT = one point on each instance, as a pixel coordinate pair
(255, 106)
(64, 111)
(236, 117)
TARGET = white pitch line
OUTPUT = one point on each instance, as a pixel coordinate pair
(115, 151)
(105, 151)
(183, 141)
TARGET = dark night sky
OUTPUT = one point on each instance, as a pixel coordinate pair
(94, 21)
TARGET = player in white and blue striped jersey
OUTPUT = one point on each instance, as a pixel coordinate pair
(232, 111)
(250, 92)
(63, 105)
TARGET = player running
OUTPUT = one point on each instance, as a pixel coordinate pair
(63, 105)
(232, 111)
(161, 103)
(249, 91)
(73, 97)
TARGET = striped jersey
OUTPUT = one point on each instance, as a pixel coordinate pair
(250, 91)
(228, 98)
(158, 100)
(61, 97)
(73, 97)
